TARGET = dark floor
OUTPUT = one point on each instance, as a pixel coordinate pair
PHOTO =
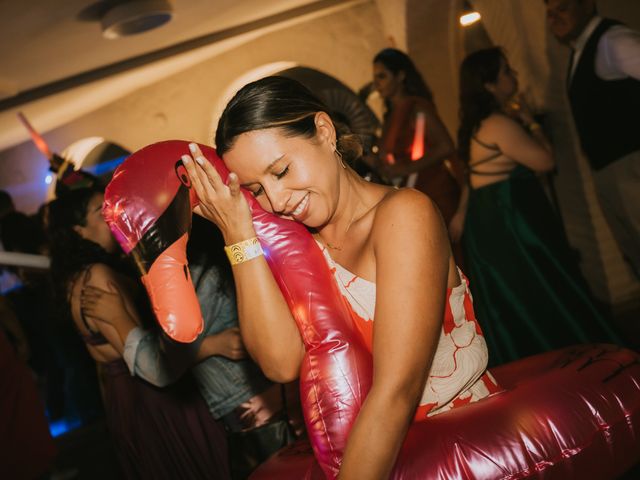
(633, 474)
(86, 454)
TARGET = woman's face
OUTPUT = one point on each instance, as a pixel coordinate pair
(294, 177)
(386, 82)
(506, 84)
(95, 228)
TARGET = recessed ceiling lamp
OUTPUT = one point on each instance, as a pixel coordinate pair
(135, 16)
(469, 18)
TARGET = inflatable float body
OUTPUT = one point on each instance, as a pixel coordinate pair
(571, 413)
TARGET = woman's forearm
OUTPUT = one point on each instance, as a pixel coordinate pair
(539, 136)
(533, 127)
(124, 327)
(377, 435)
(268, 329)
(208, 348)
(147, 359)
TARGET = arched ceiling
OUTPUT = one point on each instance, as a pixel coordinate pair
(58, 67)
(49, 42)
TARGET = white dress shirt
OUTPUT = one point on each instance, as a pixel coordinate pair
(618, 53)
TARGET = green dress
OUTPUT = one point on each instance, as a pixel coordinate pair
(529, 294)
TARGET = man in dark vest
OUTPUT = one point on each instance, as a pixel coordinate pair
(603, 84)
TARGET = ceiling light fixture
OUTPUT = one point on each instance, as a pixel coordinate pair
(469, 18)
(135, 16)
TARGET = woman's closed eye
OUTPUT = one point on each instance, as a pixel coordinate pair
(282, 173)
(278, 175)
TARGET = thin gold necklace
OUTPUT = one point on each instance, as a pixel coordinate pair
(339, 247)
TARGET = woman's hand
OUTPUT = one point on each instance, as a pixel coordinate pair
(261, 408)
(108, 306)
(227, 343)
(519, 109)
(222, 204)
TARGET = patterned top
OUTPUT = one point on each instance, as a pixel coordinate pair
(458, 373)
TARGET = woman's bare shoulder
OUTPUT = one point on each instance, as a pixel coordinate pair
(498, 123)
(409, 237)
(405, 208)
(403, 198)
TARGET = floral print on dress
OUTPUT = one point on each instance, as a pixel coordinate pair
(458, 374)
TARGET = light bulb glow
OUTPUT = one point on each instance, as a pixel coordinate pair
(48, 179)
(469, 18)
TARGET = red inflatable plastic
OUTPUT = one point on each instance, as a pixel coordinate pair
(148, 207)
(568, 414)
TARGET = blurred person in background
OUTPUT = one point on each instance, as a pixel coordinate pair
(603, 86)
(157, 433)
(529, 293)
(415, 149)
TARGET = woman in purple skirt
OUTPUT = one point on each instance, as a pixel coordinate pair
(158, 433)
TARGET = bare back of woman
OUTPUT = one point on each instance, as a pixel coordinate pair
(103, 341)
(498, 146)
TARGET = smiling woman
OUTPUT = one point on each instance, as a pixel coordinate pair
(280, 143)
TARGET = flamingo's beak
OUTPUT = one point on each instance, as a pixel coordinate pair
(148, 208)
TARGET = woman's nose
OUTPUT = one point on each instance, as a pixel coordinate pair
(277, 198)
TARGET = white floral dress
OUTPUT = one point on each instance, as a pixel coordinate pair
(458, 374)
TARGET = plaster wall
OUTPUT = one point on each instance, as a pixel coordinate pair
(434, 42)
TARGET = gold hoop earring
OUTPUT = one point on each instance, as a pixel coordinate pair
(338, 153)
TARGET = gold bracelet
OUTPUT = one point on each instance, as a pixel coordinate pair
(243, 251)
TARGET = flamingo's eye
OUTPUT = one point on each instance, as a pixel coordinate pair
(181, 172)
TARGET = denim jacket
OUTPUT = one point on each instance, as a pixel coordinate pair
(223, 383)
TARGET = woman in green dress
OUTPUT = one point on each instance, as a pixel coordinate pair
(529, 293)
